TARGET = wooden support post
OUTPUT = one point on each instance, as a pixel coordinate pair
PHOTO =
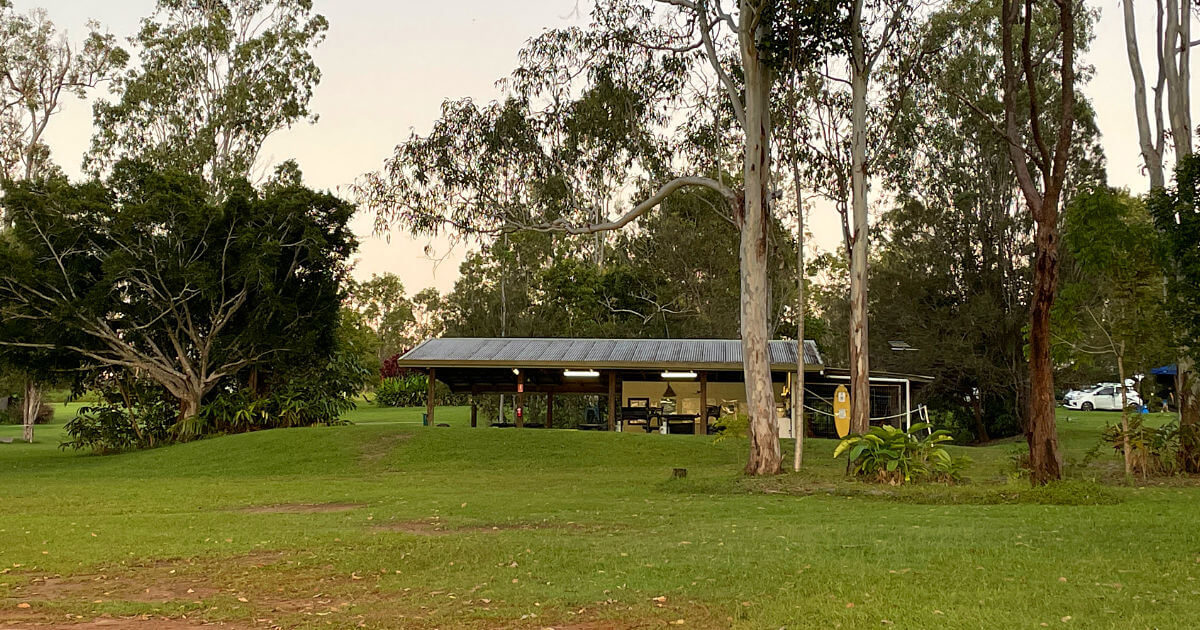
(520, 400)
(549, 410)
(612, 401)
(430, 396)
(703, 430)
(474, 406)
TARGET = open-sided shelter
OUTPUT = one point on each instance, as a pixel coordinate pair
(647, 383)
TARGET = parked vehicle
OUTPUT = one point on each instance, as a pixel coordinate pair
(1101, 396)
(1088, 389)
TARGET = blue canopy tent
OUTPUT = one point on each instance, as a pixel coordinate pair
(1164, 380)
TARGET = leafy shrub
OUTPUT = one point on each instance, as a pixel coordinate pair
(403, 391)
(109, 428)
(731, 426)
(1017, 462)
(239, 411)
(896, 456)
(410, 390)
(1153, 451)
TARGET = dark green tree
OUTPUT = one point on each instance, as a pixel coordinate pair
(1110, 303)
(148, 273)
(1176, 214)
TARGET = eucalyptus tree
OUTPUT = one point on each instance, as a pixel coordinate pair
(39, 65)
(796, 55)
(846, 116)
(953, 263)
(510, 166)
(1171, 104)
(382, 306)
(149, 274)
(873, 26)
(1039, 143)
(216, 78)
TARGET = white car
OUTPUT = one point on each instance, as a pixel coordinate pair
(1102, 396)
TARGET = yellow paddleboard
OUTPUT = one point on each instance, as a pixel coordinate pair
(841, 410)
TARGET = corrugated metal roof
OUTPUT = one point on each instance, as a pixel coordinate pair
(599, 353)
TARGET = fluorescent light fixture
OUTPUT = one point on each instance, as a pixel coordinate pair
(669, 374)
(581, 373)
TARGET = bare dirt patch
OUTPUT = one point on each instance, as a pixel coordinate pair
(114, 623)
(302, 508)
(124, 588)
(373, 453)
(156, 582)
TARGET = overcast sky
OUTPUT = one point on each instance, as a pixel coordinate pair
(388, 64)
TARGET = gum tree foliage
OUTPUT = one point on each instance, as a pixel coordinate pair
(39, 65)
(216, 78)
(675, 276)
(427, 310)
(380, 305)
(1109, 307)
(1176, 213)
(148, 274)
(952, 265)
(590, 108)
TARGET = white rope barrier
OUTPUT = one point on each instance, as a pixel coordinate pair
(920, 411)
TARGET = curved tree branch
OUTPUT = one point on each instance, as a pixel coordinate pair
(562, 225)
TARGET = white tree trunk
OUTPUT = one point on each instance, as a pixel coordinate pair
(765, 456)
(1146, 136)
(31, 404)
(1176, 60)
(860, 385)
(798, 386)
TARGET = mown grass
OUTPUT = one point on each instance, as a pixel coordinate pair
(455, 527)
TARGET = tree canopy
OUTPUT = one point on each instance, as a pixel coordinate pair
(146, 273)
(215, 79)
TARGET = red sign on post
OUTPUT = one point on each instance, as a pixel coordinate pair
(520, 387)
(520, 411)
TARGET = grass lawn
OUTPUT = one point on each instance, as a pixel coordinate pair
(387, 524)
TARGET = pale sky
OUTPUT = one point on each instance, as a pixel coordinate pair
(387, 66)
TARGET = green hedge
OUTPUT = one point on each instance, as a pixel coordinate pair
(410, 391)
